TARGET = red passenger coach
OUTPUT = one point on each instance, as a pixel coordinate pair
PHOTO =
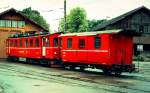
(109, 50)
(43, 49)
(24, 48)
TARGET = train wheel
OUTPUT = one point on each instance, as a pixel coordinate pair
(48, 63)
(71, 67)
(107, 71)
(29, 60)
(9, 59)
(82, 68)
(118, 73)
(15, 59)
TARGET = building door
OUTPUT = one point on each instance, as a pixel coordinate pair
(3, 37)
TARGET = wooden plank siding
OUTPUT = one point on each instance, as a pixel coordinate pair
(140, 22)
(5, 32)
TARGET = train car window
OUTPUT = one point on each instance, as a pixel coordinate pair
(7, 43)
(47, 42)
(81, 43)
(97, 42)
(26, 43)
(37, 42)
(15, 43)
(31, 42)
(20, 43)
(11, 43)
(69, 43)
(55, 42)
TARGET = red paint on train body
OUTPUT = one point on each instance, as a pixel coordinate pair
(112, 49)
(109, 50)
(51, 46)
(26, 47)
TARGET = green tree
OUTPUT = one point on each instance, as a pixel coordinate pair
(76, 21)
(93, 23)
(35, 16)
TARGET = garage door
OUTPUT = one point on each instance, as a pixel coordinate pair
(3, 37)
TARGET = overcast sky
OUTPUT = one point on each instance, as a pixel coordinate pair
(96, 9)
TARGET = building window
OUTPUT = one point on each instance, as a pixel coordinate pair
(2, 23)
(55, 41)
(8, 23)
(69, 43)
(141, 28)
(81, 43)
(148, 31)
(97, 42)
(21, 24)
(37, 42)
(14, 23)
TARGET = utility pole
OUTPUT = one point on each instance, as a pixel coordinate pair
(65, 26)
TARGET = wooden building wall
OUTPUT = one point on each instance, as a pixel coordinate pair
(139, 22)
(5, 32)
(3, 37)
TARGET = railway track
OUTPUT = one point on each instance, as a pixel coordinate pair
(59, 78)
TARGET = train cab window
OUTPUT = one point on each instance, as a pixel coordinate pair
(55, 42)
(81, 43)
(20, 43)
(69, 43)
(31, 42)
(47, 42)
(37, 42)
(26, 43)
(97, 42)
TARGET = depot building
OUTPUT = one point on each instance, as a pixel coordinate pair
(13, 22)
(137, 20)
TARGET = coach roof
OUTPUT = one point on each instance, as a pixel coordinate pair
(93, 32)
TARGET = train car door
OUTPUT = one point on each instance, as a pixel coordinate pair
(82, 49)
(121, 50)
(44, 39)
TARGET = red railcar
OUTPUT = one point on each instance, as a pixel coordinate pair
(24, 48)
(42, 48)
(109, 50)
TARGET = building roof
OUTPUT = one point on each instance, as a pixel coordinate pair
(123, 16)
(94, 32)
(22, 15)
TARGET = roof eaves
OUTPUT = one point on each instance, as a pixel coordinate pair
(116, 19)
(18, 12)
